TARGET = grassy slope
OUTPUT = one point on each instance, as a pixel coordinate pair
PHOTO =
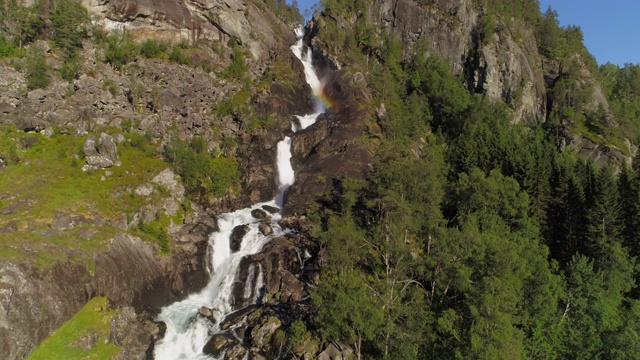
(94, 319)
(49, 179)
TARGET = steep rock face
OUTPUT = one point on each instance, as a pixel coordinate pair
(195, 20)
(334, 147)
(504, 68)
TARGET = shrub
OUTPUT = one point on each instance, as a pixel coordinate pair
(178, 56)
(237, 68)
(37, 69)
(157, 231)
(125, 125)
(7, 48)
(111, 86)
(200, 172)
(151, 48)
(68, 19)
(71, 68)
(121, 49)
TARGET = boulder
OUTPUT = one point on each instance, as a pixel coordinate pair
(261, 334)
(271, 209)
(107, 147)
(238, 233)
(336, 352)
(235, 353)
(219, 343)
(258, 214)
(265, 229)
(170, 181)
(206, 313)
(102, 153)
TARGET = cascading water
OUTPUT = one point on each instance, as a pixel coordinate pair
(187, 333)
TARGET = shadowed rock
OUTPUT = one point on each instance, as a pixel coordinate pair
(236, 237)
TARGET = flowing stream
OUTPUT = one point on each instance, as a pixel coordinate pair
(187, 332)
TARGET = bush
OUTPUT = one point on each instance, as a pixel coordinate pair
(121, 49)
(178, 56)
(200, 172)
(237, 68)
(157, 231)
(68, 19)
(37, 69)
(8, 48)
(151, 48)
(125, 125)
(71, 68)
(111, 86)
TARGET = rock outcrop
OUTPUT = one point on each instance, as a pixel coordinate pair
(334, 147)
(101, 153)
(195, 21)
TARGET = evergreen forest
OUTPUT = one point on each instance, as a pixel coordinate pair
(477, 237)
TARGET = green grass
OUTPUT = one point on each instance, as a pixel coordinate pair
(47, 178)
(94, 318)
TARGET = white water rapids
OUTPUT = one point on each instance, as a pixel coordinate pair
(187, 332)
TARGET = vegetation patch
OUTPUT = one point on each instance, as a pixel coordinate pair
(90, 327)
(44, 178)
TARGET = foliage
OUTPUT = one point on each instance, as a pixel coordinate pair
(111, 86)
(289, 13)
(37, 69)
(68, 19)
(125, 125)
(237, 68)
(157, 230)
(94, 318)
(19, 24)
(178, 56)
(8, 48)
(152, 48)
(203, 175)
(476, 237)
(121, 49)
(71, 68)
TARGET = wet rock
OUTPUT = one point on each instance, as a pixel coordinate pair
(304, 142)
(261, 334)
(237, 317)
(236, 237)
(265, 229)
(330, 150)
(206, 313)
(235, 353)
(271, 209)
(258, 214)
(219, 343)
(280, 264)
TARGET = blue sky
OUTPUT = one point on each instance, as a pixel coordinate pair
(611, 27)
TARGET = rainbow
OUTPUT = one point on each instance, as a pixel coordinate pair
(324, 101)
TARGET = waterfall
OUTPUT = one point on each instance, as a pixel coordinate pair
(187, 332)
